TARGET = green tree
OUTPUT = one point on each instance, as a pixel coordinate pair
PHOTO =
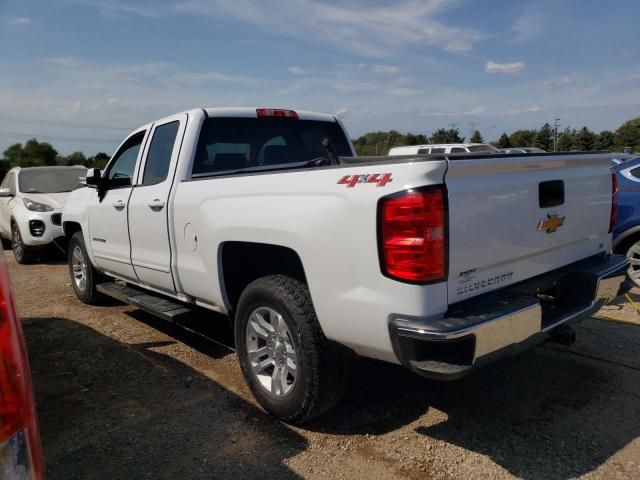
(452, 135)
(76, 158)
(411, 139)
(604, 140)
(628, 135)
(585, 139)
(476, 137)
(567, 140)
(544, 138)
(99, 160)
(32, 154)
(14, 154)
(522, 138)
(503, 141)
(36, 153)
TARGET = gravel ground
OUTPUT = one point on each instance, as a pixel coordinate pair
(123, 396)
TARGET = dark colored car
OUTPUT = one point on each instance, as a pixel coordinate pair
(626, 232)
(20, 453)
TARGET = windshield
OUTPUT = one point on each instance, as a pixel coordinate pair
(483, 149)
(50, 179)
(227, 144)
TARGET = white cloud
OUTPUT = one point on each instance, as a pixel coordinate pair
(212, 77)
(404, 91)
(555, 83)
(297, 70)
(62, 61)
(455, 113)
(509, 68)
(385, 69)
(357, 27)
(21, 21)
(519, 111)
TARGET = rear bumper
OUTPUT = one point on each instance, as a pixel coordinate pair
(487, 327)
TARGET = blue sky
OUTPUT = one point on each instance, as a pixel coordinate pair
(79, 73)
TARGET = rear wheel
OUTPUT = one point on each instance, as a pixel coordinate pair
(293, 371)
(22, 253)
(84, 277)
(633, 254)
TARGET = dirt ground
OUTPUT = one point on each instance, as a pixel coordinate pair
(122, 395)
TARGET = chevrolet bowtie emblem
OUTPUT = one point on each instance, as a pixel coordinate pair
(551, 223)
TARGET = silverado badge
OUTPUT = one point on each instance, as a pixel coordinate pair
(551, 223)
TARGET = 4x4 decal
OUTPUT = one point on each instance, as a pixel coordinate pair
(380, 179)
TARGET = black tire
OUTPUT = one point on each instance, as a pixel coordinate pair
(22, 253)
(7, 244)
(322, 367)
(85, 291)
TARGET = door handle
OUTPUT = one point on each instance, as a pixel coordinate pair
(119, 205)
(156, 205)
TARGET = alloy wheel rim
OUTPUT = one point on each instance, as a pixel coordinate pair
(17, 242)
(79, 268)
(633, 254)
(271, 352)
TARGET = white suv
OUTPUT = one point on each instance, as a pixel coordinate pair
(444, 148)
(31, 202)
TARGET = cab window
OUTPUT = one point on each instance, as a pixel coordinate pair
(120, 170)
(156, 167)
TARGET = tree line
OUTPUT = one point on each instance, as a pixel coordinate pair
(39, 154)
(626, 137)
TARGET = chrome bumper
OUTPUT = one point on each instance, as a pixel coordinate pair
(490, 326)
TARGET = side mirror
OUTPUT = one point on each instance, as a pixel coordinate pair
(5, 192)
(93, 179)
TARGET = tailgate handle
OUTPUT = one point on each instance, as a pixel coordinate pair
(551, 193)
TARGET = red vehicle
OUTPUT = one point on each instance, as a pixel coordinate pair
(20, 451)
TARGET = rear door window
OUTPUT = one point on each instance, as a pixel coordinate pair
(438, 150)
(458, 150)
(423, 151)
(159, 157)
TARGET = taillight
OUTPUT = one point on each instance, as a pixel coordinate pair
(413, 243)
(20, 455)
(277, 113)
(614, 202)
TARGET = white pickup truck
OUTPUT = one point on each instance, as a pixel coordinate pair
(439, 263)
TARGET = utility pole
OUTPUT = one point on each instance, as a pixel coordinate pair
(556, 124)
(472, 126)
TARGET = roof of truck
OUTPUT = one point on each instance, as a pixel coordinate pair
(250, 112)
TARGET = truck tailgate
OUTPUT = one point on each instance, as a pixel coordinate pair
(508, 221)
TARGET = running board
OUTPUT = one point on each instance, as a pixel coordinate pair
(152, 303)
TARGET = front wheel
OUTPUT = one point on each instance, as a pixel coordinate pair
(84, 277)
(293, 371)
(22, 253)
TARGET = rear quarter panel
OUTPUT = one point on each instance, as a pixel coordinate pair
(332, 228)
